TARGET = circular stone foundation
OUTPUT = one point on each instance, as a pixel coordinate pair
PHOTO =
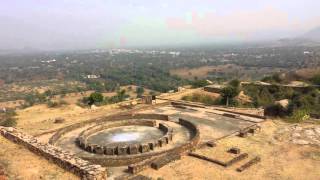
(125, 137)
(129, 144)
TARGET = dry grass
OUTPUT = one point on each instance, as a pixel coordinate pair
(24, 165)
(201, 72)
(307, 73)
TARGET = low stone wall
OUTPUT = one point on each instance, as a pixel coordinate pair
(230, 110)
(129, 149)
(115, 117)
(69, 162)
(189, 146)
(160, 162)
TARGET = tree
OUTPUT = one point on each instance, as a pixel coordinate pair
(275, 78)
(316, 79)
(199, 83)
(95, 97)
(139, 91)
(229, 93)
(235, 83)
(121, 95)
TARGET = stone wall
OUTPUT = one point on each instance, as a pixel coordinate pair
(189, 146)
(69, 162)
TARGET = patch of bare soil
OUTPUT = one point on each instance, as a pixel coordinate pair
(201, 72)
(38, 119)
(279, 160)
(301, 134)
(307, 73)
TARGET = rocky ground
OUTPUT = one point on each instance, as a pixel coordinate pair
(301, 134)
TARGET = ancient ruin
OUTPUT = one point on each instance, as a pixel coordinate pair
(122, 145)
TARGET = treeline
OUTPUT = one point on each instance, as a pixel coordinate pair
(98, 99)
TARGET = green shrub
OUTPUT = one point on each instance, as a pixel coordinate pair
(299, 116)
(95, 97)
(9, 122)
(199, 83)
(234, 83)
(316, 79)
(196, 97)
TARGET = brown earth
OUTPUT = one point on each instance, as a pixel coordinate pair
(200, 72)
(231, 70)
(307, 73)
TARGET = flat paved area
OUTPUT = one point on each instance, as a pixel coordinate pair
(212, 124)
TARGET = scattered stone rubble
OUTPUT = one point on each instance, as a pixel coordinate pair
(298, 134)
(64, 159)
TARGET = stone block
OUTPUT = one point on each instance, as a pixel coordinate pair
(88, 148)
(166, 139)
(234, 150)
(93, 147)
(122, 150)
(109, 151)
(99, 150)
(144, 148)
(170, 135)
(211, 144)
(152, 145)
(133, 149)
(243, 134)
(162, 141)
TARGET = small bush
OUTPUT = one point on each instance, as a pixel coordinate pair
(316, 79)
(199, 83)
(196, 97)
(275, 110)
(9, 122)
(299, 116)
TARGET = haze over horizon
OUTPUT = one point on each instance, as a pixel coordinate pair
(79, 24)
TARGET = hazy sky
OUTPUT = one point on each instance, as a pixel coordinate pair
(65, 24)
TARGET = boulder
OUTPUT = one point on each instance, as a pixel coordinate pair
(284, 103)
